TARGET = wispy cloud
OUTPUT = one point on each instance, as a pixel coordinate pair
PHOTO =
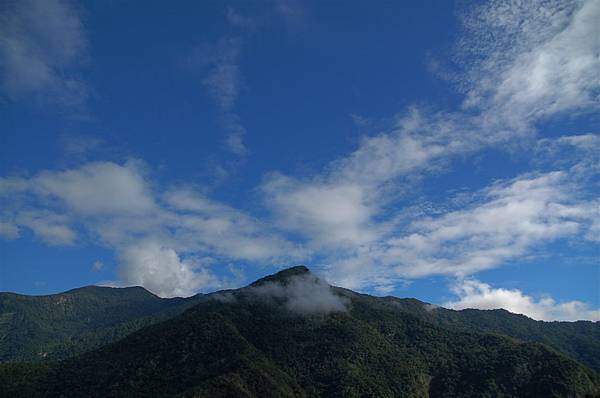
(354, 213)
(9, 230)
(98, 265)
(221, 62)
(52, 228)
(511, 219)
(502, 222)
(531, 60)
(292, 12)
(80, 145)
(222, 80)
(43, 44)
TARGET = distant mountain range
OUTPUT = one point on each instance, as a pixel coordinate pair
(286, 335)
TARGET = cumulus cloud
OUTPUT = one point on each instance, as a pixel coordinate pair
(303, 294)
(87, 189)
(475, 294)
(162, 271)
(166, 239)
(98, 188)
(328, 214)
(42, 44)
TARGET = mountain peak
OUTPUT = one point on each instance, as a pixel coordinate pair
(283, 275)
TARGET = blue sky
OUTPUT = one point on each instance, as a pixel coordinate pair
(449, 152)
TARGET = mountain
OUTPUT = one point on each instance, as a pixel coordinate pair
(292, 335)
(63, 325)
(580, 340)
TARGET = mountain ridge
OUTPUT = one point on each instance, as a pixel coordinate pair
(57, 326)
(291, 334)
(583, 333)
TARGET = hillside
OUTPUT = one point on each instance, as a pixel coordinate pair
(580, 340)
(36, 328)
(291, 335)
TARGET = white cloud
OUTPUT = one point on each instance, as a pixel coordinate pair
(479, 295)
(521, 63)
(578, 153)
(52, 228)
(515, 217)
(353, 215)
(350, 216)
(42, 43)
(505, 221)
(98, 188)
(114, 205)
(329, 215)
(588, 142)
(529, 60)
(161, 270)
(581, 145)
(339, 205)
(225, 230)
(416, 141)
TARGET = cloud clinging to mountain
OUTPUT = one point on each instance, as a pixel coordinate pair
(303, 294)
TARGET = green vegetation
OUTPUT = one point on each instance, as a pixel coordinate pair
(39, 328)
(580, 340)
(246, 344)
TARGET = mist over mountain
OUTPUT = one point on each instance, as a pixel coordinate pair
(286, 335)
